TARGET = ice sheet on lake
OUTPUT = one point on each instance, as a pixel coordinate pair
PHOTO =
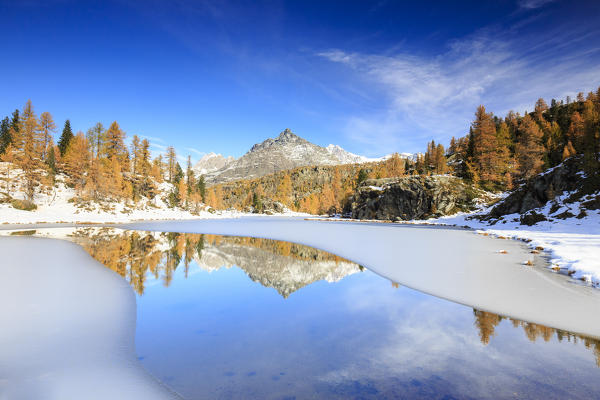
(68, 326)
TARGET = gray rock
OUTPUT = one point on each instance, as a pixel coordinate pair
(540, 189)
(411, 197)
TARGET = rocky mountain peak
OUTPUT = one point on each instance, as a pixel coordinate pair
(288, 135)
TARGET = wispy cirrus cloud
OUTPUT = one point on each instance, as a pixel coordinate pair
(420, 98)
(530, 4)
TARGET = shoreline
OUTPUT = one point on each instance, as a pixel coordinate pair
(560, 261)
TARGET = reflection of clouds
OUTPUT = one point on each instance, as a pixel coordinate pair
(423, 337)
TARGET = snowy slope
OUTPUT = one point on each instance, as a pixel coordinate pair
(212, 162)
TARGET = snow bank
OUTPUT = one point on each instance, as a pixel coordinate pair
(68, 326)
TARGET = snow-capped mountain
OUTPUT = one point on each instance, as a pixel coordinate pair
(286, 151)
(346, 157)
(211, 162)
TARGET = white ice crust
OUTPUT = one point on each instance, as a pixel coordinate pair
(68, 327)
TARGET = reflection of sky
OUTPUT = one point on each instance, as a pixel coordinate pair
(219, 335)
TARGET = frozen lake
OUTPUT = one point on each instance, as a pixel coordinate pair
(221, 316)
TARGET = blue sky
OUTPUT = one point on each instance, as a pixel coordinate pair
(373, 77)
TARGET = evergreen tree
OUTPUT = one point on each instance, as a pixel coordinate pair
(65, 138)
(201, 188)
(15, 122)
(5, 137)
(362, 176)
(189, 175)
(178, 174)
(51, 161)
(591, 140)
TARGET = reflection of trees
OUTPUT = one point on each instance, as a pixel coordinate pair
(486, 323)
(135, 254)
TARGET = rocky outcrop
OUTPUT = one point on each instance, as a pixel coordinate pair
(411, 197)
(540, 189)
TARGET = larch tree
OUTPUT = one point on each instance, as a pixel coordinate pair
(576, 131)
(135, 154)
(529, 148)
(157, 169)
(76, 161)
(9, 158)
(47, 127)
(503, 157)
(29, 158)
(485, 145)
(115, 144)
(96, 140)
(284, 189)
(568, 151)
(171, 163)
(65, 138)
(440, 159)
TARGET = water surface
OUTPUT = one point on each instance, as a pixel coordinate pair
(240, 317)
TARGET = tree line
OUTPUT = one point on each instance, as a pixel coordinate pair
(494, 154)
(98, 164)
(499, 151)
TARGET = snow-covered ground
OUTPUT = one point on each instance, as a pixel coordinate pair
(61, 204)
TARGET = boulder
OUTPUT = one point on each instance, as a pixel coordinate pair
(411, 197)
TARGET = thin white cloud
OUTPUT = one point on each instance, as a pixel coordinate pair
(153, 139)
(196, 151)
(423, 98)
(531, 4)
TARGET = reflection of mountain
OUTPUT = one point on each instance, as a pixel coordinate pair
(486, 323)
(135, 255)
(285, 271)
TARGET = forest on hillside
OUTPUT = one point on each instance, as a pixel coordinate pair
(99, 165)
(102, 165)
(494, 155)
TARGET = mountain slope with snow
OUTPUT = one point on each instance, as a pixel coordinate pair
(212, 162)
(287, 151)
